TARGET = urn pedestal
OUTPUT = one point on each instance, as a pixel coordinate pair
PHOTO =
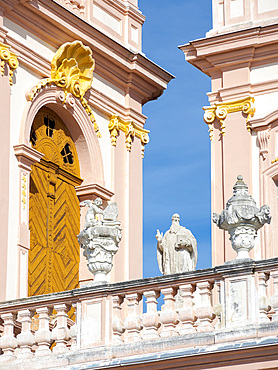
(100, 238)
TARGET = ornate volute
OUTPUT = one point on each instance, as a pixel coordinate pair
(242, 219)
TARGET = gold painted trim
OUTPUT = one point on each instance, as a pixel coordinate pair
(6, 56)
(23, 190)
(130, 129)
(222, 109)
(72, 70)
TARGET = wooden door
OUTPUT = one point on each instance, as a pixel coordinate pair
(54, 216)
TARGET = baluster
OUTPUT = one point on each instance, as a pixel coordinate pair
(205, 311)
(8, 342)
(274, 298)
(186, 313)
(25, 339)
(150, 319)
(43, 335)
(264, 306)
(132, 322)
(117, 323)
(218, 308)
(168, 316)
(61, 332)
(74, 329)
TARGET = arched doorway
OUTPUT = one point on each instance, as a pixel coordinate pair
(54, 216)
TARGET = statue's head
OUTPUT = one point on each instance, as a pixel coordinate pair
(176, 217)
(98, 202)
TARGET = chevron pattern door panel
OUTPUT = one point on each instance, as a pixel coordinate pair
(54, 218)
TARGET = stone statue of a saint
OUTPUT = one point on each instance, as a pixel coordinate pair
(177, 249)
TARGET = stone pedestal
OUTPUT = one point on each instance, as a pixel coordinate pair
(100, 238)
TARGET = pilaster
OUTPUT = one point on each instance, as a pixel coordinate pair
(4, 180)
(26, 156)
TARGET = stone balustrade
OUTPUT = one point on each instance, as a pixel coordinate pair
(204, 307)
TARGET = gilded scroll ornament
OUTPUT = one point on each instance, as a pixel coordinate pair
(72, 69)
(130, 129)
(209, 117)
(6, 56)
(221, 110)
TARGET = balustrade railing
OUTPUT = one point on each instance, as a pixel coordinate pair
(210, 300)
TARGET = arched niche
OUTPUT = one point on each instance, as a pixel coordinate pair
(81, 129)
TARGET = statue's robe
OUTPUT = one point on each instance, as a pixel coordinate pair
(178, 251)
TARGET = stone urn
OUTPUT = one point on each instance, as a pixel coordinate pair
(100, 238)
(242, 219)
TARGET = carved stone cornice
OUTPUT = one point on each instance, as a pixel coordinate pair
(92, 191)
(72, 70)
(50, 22)
(26, 156)
(6, 56)
(222, 109)
(130, 129)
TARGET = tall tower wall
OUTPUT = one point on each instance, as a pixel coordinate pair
(240, 56)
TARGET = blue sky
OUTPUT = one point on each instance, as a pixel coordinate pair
(177, 159)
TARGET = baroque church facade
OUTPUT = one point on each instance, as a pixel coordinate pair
(66, 138)
(72, 85)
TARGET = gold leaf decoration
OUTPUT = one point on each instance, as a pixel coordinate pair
(220, 111)
(72, 70)
(6, 56)
(130, 130)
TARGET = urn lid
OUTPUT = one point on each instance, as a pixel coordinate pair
(240, 194)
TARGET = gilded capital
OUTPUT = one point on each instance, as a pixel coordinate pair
(6, 56)
(220, 111)
(130, 130)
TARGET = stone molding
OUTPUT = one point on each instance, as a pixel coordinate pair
(96, 99)
(259, 123)
(117, 61)
(92, 191)
(75, 115)
(26, 156)
(244, 43)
